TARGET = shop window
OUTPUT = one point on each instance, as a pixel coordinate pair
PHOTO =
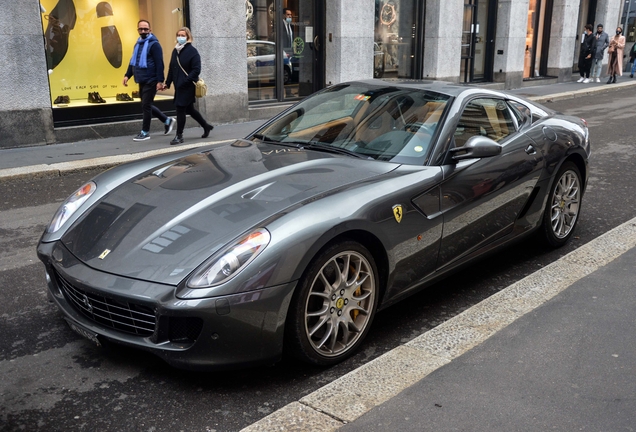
(88, 45)
(628, 20)
(396, 39)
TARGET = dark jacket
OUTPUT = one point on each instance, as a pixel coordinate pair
(154, 72)
(602, 42)
(588, 47)
(184, 84)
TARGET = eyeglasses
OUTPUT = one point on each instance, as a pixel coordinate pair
(143, 29)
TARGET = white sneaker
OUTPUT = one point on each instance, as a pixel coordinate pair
(598, 80)
(586, 80)
(581, 79)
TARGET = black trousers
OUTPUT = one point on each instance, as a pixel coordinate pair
(192, 111)
(585, 65)
(147, 92)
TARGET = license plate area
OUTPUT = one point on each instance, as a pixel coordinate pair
(91, 336)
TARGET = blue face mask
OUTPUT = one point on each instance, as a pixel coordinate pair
(288, 19)
(181, 40)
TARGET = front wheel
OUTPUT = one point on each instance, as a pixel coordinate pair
(334, 305)
(563, 205)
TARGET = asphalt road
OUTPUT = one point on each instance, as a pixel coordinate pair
(54, 380)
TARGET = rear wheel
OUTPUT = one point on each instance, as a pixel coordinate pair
(563, 206)
(334, 305)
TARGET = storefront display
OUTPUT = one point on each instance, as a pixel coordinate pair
(396, 43)
(88, 45)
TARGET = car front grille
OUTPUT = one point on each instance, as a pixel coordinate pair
(123, 316)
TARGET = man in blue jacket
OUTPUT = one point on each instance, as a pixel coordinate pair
(146, 65)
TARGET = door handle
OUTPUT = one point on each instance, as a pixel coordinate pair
(316, 42)
(530, 150)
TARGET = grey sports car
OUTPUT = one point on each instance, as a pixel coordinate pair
(291, 239)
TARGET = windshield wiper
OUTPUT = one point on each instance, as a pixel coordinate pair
(314, 145)
(265, 138)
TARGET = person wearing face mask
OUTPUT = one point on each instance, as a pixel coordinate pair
(184, 70)
(588, 50)
(615, 51)
(288, 35)
(146, 65)
(602, 42)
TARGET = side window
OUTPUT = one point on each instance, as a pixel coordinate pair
(521, 112)
(485, 117)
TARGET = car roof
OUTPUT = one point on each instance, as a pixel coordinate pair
(444, 87)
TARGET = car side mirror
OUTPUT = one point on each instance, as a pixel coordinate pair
(476, 147)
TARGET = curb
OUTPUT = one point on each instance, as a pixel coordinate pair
(61, 168)
(580, 93)
(344, 400)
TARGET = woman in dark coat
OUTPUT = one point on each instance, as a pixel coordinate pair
(184, 70)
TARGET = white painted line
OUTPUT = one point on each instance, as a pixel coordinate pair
(357, 392)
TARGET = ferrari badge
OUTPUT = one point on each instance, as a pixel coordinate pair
(103, 255)
(397, 212)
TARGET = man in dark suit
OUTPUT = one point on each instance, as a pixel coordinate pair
(288, 34)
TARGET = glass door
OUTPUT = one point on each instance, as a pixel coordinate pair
(537, 38)
(285, 48)
(468, 30)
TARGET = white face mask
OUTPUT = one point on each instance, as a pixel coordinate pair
(181, 40)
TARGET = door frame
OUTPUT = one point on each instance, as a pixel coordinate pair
(317, 46)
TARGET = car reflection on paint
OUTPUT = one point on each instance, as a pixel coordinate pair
(292, 239)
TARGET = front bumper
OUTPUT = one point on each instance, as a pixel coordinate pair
(221, 332)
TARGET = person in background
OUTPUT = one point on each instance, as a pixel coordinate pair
(146, 65)
(632, 60)
(588, 50)
(184, 70)
(615, 51)
(602, 42)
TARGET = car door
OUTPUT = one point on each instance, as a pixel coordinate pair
(482, 197)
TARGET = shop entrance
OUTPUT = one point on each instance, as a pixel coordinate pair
(285, 49)
(478, 40)
(537, 39)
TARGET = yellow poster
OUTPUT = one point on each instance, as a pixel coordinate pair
(88, 46)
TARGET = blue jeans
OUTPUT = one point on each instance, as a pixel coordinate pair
(597, 65)
(633, 67)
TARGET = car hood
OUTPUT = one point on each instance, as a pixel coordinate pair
(162, 224)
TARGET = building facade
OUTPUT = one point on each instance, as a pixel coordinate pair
(64, 60)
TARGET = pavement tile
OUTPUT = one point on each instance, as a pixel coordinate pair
(355, 393)
(295, 417)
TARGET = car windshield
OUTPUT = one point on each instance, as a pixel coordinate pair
(381, 122)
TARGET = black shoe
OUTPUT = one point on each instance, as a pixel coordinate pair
(609, 81)
(61, 100)
(61, 20)
(168, 127)
(614, 80)
(631, 75)
(98, 98)
(178, 139)
(206, 130)
(91, 98)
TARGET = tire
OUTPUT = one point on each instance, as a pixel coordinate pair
(286, 75)
(332, 309)
(563, 205)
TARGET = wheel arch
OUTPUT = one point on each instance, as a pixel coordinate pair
(366, 238)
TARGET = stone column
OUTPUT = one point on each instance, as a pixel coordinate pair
(563, 33)
(510, 42)
(349, 40)
(26, 117)
(219, 35)
(443, 39)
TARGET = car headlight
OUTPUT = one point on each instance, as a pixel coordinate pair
(70, 206)
(226, 264)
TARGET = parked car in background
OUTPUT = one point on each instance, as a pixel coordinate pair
(261, 62)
